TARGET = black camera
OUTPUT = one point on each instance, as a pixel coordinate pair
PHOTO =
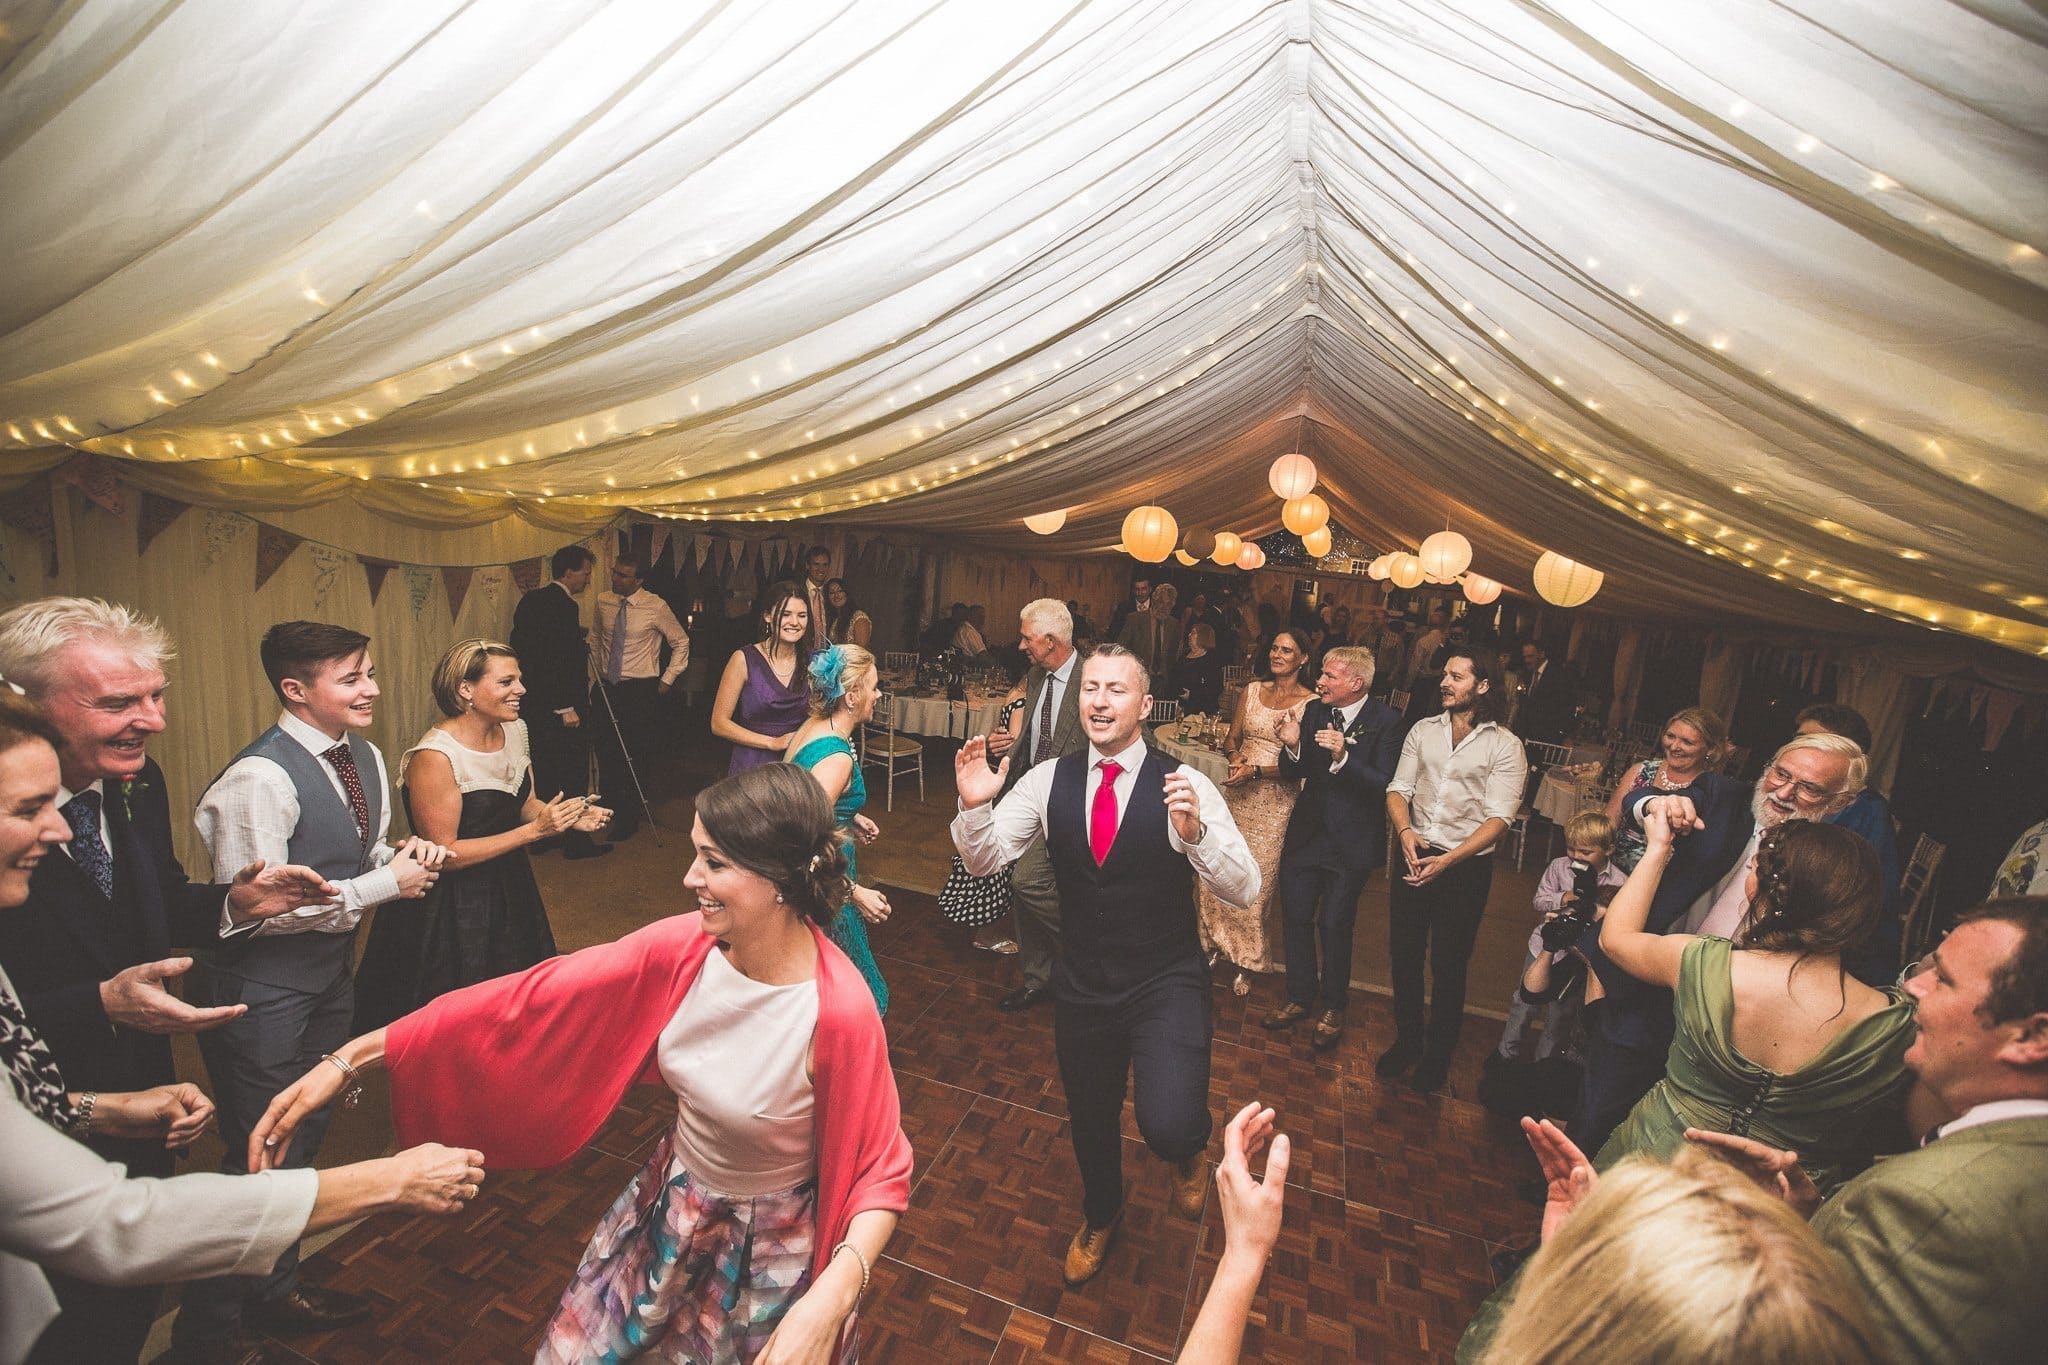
(1568, 928)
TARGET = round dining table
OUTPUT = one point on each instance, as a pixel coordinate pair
(1181, 746)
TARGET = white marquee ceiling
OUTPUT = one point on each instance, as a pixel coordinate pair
(1741, 302)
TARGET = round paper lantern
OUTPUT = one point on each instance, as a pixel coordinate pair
(1184, 559)
(1480, 590)
(1304, 514)
(1317, 542)
(1381, 568)
(1565, 582)
(1151, 533)
(1445, 555)
(1200, 542)
(1292, 476)
(1405, 570)
(1045, 523)
(1227, 545)
(1250, 557)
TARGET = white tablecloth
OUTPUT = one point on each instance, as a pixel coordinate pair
(948, 719)
(1558, 796)
(1200, 757)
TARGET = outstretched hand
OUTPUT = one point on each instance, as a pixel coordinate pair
(976, 782)
(136, 999)
(1774, 1168)
(1252, 1204)
(260, 891)
(271, 1138)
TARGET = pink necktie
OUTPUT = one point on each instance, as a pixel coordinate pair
(1102, 817)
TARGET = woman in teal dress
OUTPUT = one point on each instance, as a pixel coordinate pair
(844, 686)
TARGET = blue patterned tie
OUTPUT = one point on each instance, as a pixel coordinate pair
(88, 849)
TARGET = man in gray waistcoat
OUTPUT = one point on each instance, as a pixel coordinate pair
(309, 790)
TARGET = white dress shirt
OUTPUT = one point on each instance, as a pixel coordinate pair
(991, 836)
(968, 640)
(1454, 789)
(251, 813)
(1056, 683)
(649, 621)
(1994, 1111)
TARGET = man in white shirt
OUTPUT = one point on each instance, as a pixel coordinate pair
(968, 639)
(1454, 793)
(1127, 836)
(631, 677)
(309, 790)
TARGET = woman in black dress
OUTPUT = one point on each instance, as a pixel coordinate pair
(468, 784)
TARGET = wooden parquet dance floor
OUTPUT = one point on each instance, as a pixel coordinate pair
(1394, 1201)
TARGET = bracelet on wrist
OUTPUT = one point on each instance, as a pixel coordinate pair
(352, 1089)
(858, 1255)
(82, 1123)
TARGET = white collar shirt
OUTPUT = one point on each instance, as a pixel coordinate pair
(1994, 1111)
(1453, 789)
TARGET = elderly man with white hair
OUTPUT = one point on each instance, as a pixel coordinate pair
(1050, 728)
(1719, 825)
(90, 950)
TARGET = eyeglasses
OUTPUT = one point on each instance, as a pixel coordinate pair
(1921, 964)
(1810, 792)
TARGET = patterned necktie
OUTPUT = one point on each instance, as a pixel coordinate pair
(1041, 745)
(615, 667)
(1102, 818)
(88, 849)
(351, 782)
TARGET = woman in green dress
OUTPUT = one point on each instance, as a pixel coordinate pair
(1774, 1040)
(844, 687)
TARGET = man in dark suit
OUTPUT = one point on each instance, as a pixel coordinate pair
(1344, 749)
(1550, 698)
(1139, 600)
(549, 637)
(1048, 727)
(90, 950)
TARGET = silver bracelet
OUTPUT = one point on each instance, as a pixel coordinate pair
(352, 1090)
(82, 1124)
(858, 1256)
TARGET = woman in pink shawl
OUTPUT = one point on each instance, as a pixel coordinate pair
(750, 1233)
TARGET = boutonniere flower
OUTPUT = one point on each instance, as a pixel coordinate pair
(131, 787)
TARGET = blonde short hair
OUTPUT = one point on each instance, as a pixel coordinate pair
(1357, 656)
(1683, 1263)
(465, 662)
(34, 633)
(1589, 827)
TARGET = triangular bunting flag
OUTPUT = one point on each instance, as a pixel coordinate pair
(455, 578)
(154, 517)
(526, 574)
(699, 547)
(273, 548)
(327, 562)
(374, 570)
(30, 509)
(223, 529)
(1999, 708)
(94, 477)
(659, 545)
(419, 584)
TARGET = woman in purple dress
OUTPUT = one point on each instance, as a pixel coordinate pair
(763, 696)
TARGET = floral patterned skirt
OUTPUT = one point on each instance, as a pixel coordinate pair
(684, 1275)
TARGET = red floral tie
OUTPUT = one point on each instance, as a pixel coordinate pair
(1102, 817)
(351, 782)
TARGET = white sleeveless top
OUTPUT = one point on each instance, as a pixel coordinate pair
(734, 1055)
(475, 770)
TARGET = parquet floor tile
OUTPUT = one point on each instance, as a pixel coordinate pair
(1393, 1202)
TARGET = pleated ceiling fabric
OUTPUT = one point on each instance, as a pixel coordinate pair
(1740, 302)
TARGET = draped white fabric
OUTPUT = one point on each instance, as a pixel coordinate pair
(1733, 300)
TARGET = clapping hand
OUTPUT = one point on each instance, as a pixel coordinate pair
(976, 782)
(1567, 1173)
(558, 816)
(592, 819)
(1251, 1203)
(1332, 739)
(1183, 808)
(1288, 731)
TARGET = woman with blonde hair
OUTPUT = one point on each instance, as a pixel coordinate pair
(844, 686)
(1685, 1264)
(468, 785)
(1695, 743)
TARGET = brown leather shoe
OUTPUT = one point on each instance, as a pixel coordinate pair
(1329, 1028)
(306, 1309)
(1287, 1016)
(1089, 1249)
(1190, 1185)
